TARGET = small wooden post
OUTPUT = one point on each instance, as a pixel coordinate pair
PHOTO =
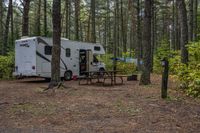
(165, 64)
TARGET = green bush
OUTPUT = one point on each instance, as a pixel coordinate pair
(6, 66)
(194, 52)
(188, 75)
(125, 68)
(107, 60)
(129, 53)
(164, 52)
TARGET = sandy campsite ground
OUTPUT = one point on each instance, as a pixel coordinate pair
(95, 108)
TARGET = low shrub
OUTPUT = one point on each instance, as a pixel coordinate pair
(165, 52)
(123, 67)
(107, 60)
(6, 66)
(126, 68)
(188, 75)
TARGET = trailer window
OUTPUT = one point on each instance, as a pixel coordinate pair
(48, 50)
(68, 52)
(97, 48)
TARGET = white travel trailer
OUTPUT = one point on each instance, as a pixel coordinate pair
(33, 57)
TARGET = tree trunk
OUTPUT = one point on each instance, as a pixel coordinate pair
(184, 30)
(12, 29)
(109, 34)
(156, 30)
(25, 19)
(93, 16)
(195, 20)
(99, 33)
(81, 31)
(173, 25)
(164, 33)
(133, 30)
(191, 16)
(145, 77)
(77, 14)
(138, 48)
(16, 26)
(177, 25)
(88, 29)
(67, 18)
(5, 40)
(117, 28)
(55, 64)
(123, 31)
(1, 26)
(114, 48)
(153, 34)
(38, 31)
(105, 34)
(45, 18)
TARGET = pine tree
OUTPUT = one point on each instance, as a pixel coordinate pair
(145, 77)
(77, 15)
(55, 64)
(6, 32)
(184, 30)
(25, 18)
(1, 27)
(93, 17)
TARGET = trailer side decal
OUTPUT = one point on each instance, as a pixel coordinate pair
(40, 40)
(63, 63)
(42, 56)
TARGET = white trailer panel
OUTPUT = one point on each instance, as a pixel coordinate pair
(33, 57)
(25, 57)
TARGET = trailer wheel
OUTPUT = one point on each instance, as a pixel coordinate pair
(47, 79)
(101, 70)
(68, 75)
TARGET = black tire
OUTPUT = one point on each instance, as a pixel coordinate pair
(101, 70)
(68, 75)
(47, 79)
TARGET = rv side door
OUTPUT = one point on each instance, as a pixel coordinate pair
(82, 61)
(89, 57)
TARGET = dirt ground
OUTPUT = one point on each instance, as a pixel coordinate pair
(127, 108)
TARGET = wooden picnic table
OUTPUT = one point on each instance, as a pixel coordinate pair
(89, 75)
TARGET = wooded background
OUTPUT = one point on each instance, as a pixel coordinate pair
(110, 22)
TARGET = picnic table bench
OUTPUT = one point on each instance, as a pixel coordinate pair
(104, 75)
